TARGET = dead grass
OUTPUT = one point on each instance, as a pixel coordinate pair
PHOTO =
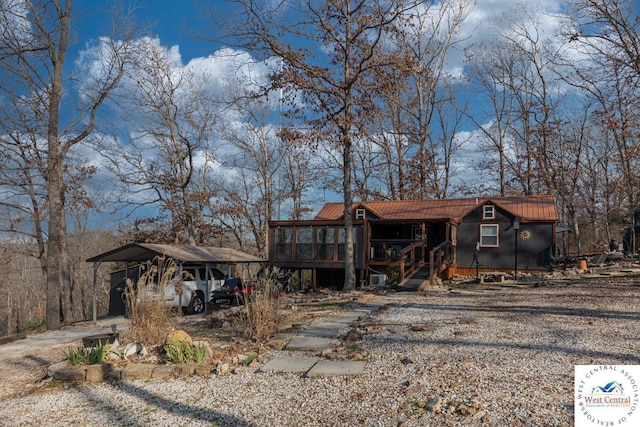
(150, 315)
(263, 315)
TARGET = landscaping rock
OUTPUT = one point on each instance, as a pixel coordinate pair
(164, 372)
(71, 373)
(223, 369)
(414, 390)
(134, 349)
(180, 336)
(434, 404)
(97, 373)
(353, 336)
(90, 373)
(204, 369)
(137, 371)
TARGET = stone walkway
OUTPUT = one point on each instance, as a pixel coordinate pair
(318, 337)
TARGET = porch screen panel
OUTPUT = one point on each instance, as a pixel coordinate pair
(283, 243)
(341, 243)
(304, 243)
(324, 243)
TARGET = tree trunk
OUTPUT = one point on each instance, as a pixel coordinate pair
(349, 267)
(57, 257)
(56, 236)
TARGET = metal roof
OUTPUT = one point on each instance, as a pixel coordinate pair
(525, 208)
(141, 252)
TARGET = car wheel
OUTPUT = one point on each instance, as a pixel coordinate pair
(196, 305)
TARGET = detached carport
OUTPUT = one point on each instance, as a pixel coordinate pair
(137, 253)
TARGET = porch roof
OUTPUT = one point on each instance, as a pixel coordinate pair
(525, 208)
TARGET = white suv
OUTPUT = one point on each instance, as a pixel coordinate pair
(190, 293)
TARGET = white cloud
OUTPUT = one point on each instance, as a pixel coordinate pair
(489, 16)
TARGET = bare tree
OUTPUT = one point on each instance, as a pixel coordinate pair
(335, 87)
(257, 158)
(515, 72)
(606, 32)
(171, 112)
(489, 70)
(420, 43)
(34, 67)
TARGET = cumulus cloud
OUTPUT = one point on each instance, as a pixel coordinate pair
(491, 16)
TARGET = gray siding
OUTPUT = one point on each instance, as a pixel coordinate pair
(533, 253)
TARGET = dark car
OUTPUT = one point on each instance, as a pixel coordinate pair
(233, 292)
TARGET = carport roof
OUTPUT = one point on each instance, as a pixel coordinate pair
(141, 252)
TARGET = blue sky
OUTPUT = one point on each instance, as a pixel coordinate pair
(179, 22)
(175, 22)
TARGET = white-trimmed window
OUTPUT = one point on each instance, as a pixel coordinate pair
(489, 236)
(488, 212)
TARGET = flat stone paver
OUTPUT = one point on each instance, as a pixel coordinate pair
(308, 343)
(329, 368)
(367, 309)
(350, 316)
(319, 333)
(335, 326)
(292, 364)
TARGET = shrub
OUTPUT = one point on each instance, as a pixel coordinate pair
(30, 325)
(149, 314)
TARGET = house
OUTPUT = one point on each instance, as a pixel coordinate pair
(447, 237)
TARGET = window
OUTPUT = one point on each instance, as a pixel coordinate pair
(489, 235)
(342, 238)
(283, 243)
(304, 243)
(189, 274)
(360, 213)
(489, 212)
(324, 243)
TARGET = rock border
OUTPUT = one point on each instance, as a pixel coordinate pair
(134, 371)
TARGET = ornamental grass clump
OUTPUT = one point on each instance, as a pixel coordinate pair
(149, 313)
(263, 314)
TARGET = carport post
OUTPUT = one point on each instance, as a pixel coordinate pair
(179, 296)
(206, 285)
(96, 265)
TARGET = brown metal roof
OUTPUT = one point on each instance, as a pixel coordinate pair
(140, 252)
(525, 208)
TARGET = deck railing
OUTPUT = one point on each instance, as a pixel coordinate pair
(408, 255)
(440, 258)
(411, 259)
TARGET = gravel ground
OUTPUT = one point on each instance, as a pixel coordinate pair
(478, 356)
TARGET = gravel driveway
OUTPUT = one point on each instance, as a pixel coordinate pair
(486, 356)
